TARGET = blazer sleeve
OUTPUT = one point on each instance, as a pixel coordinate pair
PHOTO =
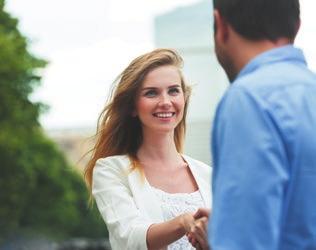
(126, 225)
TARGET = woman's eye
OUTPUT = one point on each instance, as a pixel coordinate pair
(174, 91)
(150, 93)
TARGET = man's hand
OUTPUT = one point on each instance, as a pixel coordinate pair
(198, 231)
(202, 212)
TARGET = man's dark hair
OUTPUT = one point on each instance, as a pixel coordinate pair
(261, 19)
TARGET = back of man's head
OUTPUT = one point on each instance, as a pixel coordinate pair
(261, 19)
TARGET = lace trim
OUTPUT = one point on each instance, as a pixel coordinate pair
(175, 204)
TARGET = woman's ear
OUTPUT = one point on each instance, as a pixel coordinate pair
(187, 92)
(186, 97)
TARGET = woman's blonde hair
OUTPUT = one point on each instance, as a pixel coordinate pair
(118, 132)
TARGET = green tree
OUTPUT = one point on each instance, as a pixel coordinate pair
(39, 191)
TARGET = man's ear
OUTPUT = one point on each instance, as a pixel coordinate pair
(134, 113)
(220, 27)
(298, 25)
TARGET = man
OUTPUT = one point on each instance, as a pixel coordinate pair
(264, 134)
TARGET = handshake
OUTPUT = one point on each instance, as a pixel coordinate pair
(195, 226)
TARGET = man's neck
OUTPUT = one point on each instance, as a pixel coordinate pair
(247, 50)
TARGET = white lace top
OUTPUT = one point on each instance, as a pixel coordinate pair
(173, 205)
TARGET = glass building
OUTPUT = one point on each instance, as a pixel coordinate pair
(189, 30)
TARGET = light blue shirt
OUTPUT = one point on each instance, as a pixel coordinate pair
(264, 151)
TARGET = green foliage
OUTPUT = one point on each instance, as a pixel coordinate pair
(39, 191)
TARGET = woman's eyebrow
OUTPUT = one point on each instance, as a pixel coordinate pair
(149, 88)
(153, 88)
(174, 86)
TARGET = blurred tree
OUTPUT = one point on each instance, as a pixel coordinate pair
(39, 191)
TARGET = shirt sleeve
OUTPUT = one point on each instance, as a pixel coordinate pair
(126, 225)
(249, 175)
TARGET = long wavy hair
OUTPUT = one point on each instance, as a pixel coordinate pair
(118, 132)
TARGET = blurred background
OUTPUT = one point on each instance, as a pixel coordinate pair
(58, 61)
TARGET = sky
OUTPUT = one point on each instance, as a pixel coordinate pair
(88, 43)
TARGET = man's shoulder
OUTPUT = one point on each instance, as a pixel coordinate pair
(271, 78)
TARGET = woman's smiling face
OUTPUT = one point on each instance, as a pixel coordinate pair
(160, 102)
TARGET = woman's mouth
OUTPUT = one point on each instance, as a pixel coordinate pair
(164, 114)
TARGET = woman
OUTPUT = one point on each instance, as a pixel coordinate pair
(145, 189)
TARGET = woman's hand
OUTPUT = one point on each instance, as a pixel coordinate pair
(160, 235)
(187, 221)
(198, 232)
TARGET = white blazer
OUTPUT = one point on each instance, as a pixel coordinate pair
(127, 203)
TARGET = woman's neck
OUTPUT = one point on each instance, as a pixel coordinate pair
(158, 147)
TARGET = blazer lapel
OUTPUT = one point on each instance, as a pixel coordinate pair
(144, 197)
(203, 182)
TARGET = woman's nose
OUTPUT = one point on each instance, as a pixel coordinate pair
(165, 100)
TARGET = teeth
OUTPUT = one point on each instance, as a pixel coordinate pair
(164, 115)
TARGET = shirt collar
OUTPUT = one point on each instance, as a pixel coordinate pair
(284, 53)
